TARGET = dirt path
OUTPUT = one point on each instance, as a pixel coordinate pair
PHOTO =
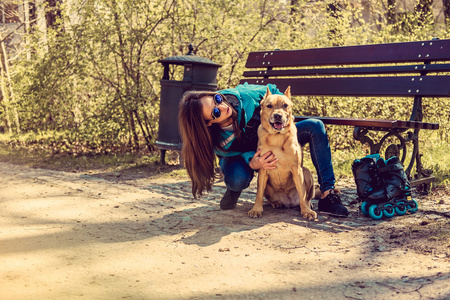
(77, 236)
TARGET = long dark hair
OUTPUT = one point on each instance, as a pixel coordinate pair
(199, 141)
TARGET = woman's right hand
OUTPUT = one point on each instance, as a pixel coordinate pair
(266, 161)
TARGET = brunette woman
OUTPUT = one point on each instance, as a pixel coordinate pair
(224, 124)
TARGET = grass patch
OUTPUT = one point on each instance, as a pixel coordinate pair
(119, 166)
(435, 156)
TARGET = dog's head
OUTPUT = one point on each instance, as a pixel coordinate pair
(276, 111)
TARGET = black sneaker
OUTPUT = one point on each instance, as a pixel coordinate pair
(332, 205)
(229, 200)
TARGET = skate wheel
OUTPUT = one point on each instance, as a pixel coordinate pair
(412, 207)
(388, 210)
(375, 213)
(364, 208)
(400, 209)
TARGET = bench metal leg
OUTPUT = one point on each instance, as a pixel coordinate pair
(399, 150)
(423, 177)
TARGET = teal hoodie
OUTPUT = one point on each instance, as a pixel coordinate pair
(249, 96)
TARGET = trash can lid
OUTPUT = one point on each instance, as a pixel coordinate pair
(189, 58)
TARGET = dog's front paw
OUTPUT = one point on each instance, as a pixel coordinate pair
(256, 212)
(309, 215)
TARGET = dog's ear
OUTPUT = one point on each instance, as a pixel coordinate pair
(268, 93)
(287, 92)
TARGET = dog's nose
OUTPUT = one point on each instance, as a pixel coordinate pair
(277, 117)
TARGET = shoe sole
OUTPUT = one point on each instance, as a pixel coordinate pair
(332, 214)
(228, 207)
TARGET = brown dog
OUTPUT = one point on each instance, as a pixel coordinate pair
(290, 184)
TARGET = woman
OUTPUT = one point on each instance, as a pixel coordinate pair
(225, 124)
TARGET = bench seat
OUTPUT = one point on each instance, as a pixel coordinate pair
(373, 124)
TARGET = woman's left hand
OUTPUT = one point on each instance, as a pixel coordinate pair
(266, 161)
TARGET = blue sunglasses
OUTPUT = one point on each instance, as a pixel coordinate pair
(218, 99)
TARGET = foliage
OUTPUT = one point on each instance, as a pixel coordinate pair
(90, 83)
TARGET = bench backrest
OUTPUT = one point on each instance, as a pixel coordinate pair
(395, 69)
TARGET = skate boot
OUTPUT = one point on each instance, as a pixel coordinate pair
(398, 188)
(369, 187)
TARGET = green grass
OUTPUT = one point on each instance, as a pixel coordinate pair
(125, 165)
(435, 156)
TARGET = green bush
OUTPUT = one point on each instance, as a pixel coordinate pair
(91, 84)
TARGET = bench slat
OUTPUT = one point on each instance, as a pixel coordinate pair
(374, 123)
(417, 125)
(351, 71)
(436, 50)
(430, 86)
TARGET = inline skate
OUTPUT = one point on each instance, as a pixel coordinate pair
(383, 186)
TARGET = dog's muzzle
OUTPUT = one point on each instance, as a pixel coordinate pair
(277, 122)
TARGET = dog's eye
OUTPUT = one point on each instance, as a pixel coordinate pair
(285, 105)
(269, 106)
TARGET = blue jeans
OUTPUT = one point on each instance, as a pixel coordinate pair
(238, 174)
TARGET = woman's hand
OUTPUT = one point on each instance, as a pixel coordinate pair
(266, 161)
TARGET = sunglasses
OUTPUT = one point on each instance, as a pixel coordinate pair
(218, 99)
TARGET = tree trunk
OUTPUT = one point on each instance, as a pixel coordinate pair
(134, 132)
(6, 87)
(446, 4)
(391, 11)
(26, 16)
(5, 102)
(334, 34)
(41, 22)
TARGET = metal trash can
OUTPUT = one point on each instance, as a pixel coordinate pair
(199, 74)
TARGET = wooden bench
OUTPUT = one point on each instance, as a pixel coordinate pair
(410, 69)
